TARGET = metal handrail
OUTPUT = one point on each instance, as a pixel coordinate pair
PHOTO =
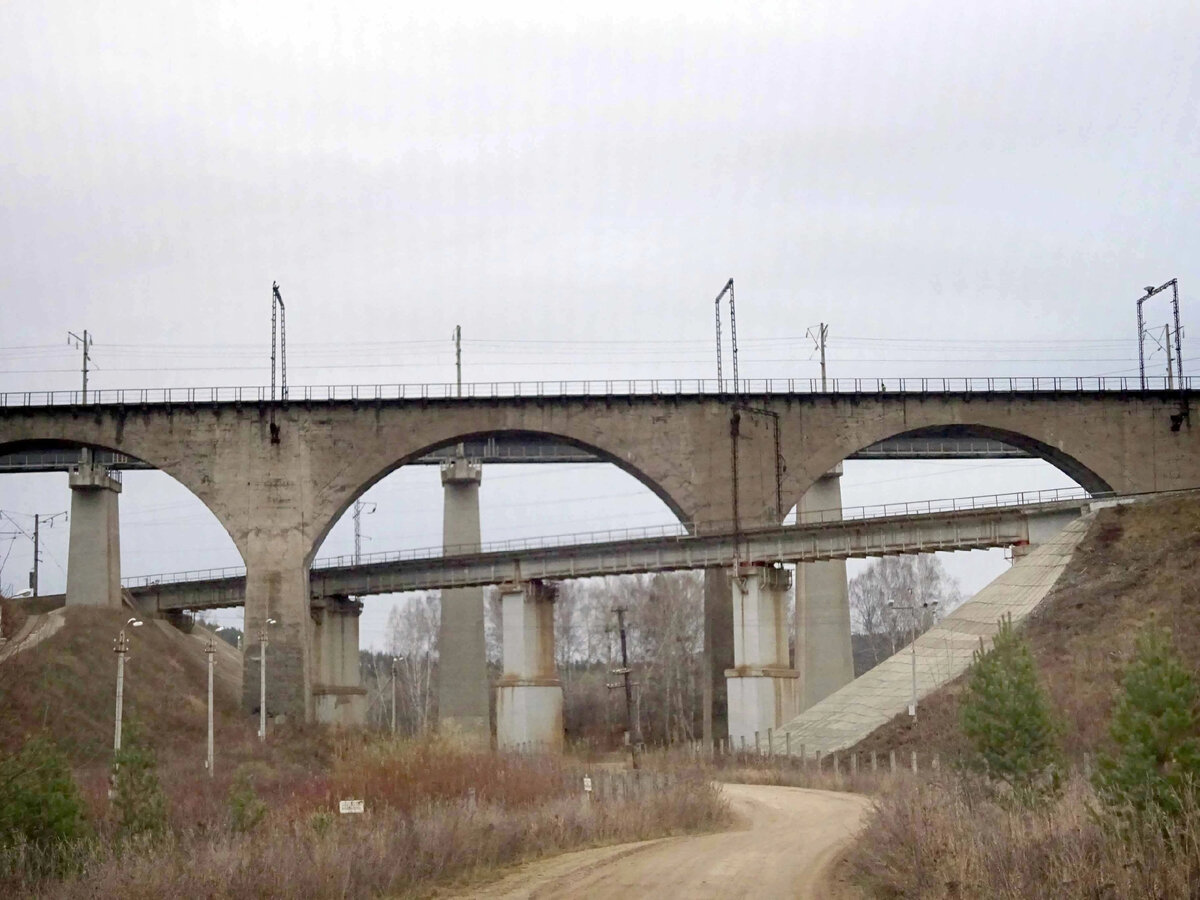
(595, 388)
(680, 531)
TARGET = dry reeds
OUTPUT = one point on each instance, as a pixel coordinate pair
(948, 838)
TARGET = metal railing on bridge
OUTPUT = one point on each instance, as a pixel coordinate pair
(677, 387)
(681, 531)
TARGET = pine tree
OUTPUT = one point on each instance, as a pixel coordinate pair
(138, 800)
(39, 801)
(1157, 760)
(1006, 717)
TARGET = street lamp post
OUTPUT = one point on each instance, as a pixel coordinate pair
(262, 680)
(210, 650)
(928, 604)
(121, 648)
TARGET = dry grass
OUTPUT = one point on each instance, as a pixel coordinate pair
(1137, 565)
(423, 826)
(437, 812)
(944, 838)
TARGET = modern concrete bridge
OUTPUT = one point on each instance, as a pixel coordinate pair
(971, 523)
(278, 475)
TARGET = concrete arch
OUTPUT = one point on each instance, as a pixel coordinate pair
(1069, 463)
(624, 465)
(70, 443)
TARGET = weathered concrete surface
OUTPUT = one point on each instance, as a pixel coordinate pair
(94, 550)
(824, 657)
(943, 653)
(718, 652)
(462, 652)
(338, 695)
(278, 496)
(529, 697)
(761, 686)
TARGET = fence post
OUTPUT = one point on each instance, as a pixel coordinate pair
(874, 762)
(937, 762)
(803, 757)
(914, 762)
(853, 763)
(757, 750)
(770, 743)
(787, 740)
(836, 766)
(892, 757)
(818, 761)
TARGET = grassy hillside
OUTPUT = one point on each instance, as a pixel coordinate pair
(1137, 564)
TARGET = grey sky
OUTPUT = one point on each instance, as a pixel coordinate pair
(987, 186)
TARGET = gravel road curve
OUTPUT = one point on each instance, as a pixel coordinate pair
(786, 846)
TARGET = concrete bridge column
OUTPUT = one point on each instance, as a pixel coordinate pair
(718, 651)
(94, 552)
(762, 688)
(338, 695)
(529, 697)
(824, 656)
(462, 653)
(277, 587)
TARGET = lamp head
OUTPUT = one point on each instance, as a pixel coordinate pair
(1149, 289)
(134, 621)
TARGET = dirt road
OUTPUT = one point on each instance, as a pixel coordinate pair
(786, 847)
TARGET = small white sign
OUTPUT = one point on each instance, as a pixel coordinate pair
(587, 784)
(350, 806)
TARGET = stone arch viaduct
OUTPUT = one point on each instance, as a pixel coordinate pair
(278, 490)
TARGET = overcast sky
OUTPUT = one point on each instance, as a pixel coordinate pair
(958, 189)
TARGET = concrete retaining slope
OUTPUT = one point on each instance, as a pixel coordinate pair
(943, 653)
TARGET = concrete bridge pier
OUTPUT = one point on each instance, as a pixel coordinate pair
(529, 697)
(277, 587)
(761, 686)
(338, 695)
(462, 652)
(718, 652)
(824, 656)
(94, 551)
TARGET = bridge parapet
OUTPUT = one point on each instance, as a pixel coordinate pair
(676, 387)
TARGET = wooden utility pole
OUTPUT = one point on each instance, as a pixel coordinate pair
(632, 726)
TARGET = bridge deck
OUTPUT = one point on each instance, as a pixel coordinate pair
(944, 530)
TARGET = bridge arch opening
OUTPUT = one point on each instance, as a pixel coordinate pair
(164, 526)
(916, 467)
(534, 485)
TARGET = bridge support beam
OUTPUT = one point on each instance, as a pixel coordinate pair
(94, 552)
(718, 652)
(761, 686)
(462, 652)
(338, 695)
(529, 697)
(824, 656)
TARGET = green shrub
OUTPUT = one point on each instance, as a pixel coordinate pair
(39, 801)
(1155, 768)
(246, 810)
(138, 800)
(1006, 717)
